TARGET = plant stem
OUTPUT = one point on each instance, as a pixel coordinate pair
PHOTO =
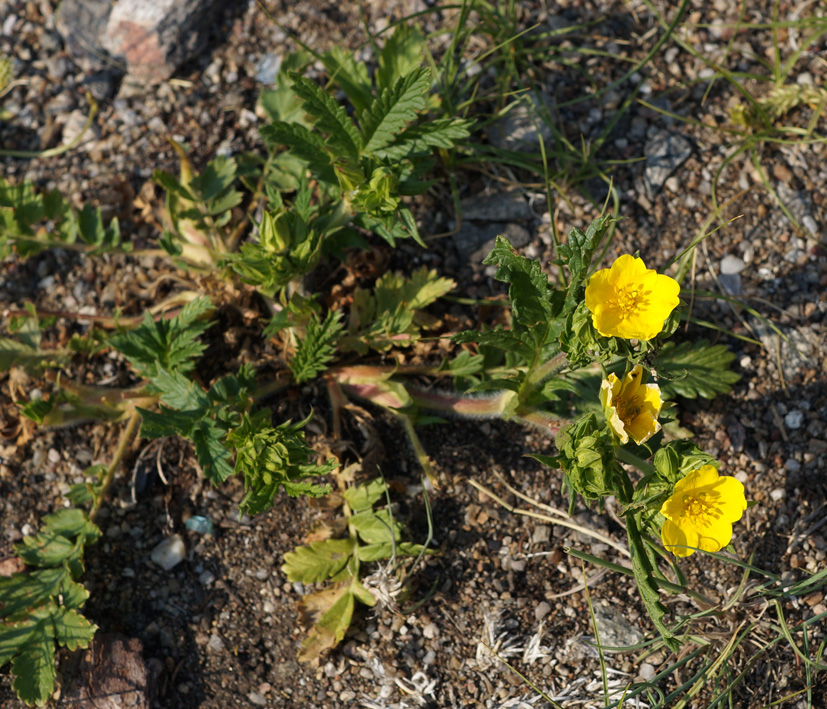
(625, 456)
(126, 438)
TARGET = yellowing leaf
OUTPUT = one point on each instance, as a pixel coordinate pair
(317, 562)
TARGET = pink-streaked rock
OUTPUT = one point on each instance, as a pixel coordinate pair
(150, 39)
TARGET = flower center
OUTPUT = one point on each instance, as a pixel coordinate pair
(628, 409)
(627, 299)
(698, 506)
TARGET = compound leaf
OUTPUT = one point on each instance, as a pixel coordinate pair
(394, 109)
(693, 369)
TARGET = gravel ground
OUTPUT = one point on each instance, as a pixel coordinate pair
(220, 629)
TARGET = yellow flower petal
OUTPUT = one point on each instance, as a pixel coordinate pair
(630, 301)
(675, 540)
(701, 510)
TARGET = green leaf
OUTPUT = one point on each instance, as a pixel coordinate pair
(505, 340)
(319, 561)
(270, 458)
(528, 290)
(180, 392)
(403, 53)
(350, 75)
(366, 495)
(171, 344)
(33, 667)
(579, 249)
(330, 117)
(213, 455)
(303, 143)
(676, 459)
(443, 133)
(315, 351)
(418, 291)
(376, 527)
(330, 628)
(393, 109)
(72, 630)
(693, 369)
(644, 569)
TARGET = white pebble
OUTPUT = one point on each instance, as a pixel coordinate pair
(169, 553)
(778, 494)
(647, 672)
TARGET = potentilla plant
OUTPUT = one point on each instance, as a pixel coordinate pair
(621, 319)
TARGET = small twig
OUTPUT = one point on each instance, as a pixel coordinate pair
(561, 522)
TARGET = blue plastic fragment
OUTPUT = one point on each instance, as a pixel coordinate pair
(199, 525)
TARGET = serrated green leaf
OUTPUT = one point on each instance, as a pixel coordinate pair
(179, 392)
(415, 292)
(72, 630)
(331, 118)
(303, 143)
(33, 668)
(443, 133)
(643, 567)
(693, 369)
(376, 527)
(71, 522)
(14, 636)
(315, 351)
(213, 455)
(366, 495)
(218, 176)
(26, 590)
(579, 249)
(402, 54)
(172, 344)
(47, 549)
(529, 290)
(505, 340)
(394, 109)
(319, 561)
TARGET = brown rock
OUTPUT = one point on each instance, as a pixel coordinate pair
(111, 674)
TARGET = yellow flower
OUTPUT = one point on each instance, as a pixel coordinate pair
(631, 406)
(630, 301)
(700, 512)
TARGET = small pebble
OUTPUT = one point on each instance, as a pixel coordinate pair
(778, 494)
(215, 644)
(647, 672)
(169, 553)
(794, 419)
(542, 610)
(732, 264)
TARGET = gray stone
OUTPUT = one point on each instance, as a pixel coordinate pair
(542, 610)
(794, 420)
(82, 23)
(798, 202)
(731, 283)
(665, 152)
(518, 129)
(169, 553)
(502, 206)
(614, 629)
(473, 243)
